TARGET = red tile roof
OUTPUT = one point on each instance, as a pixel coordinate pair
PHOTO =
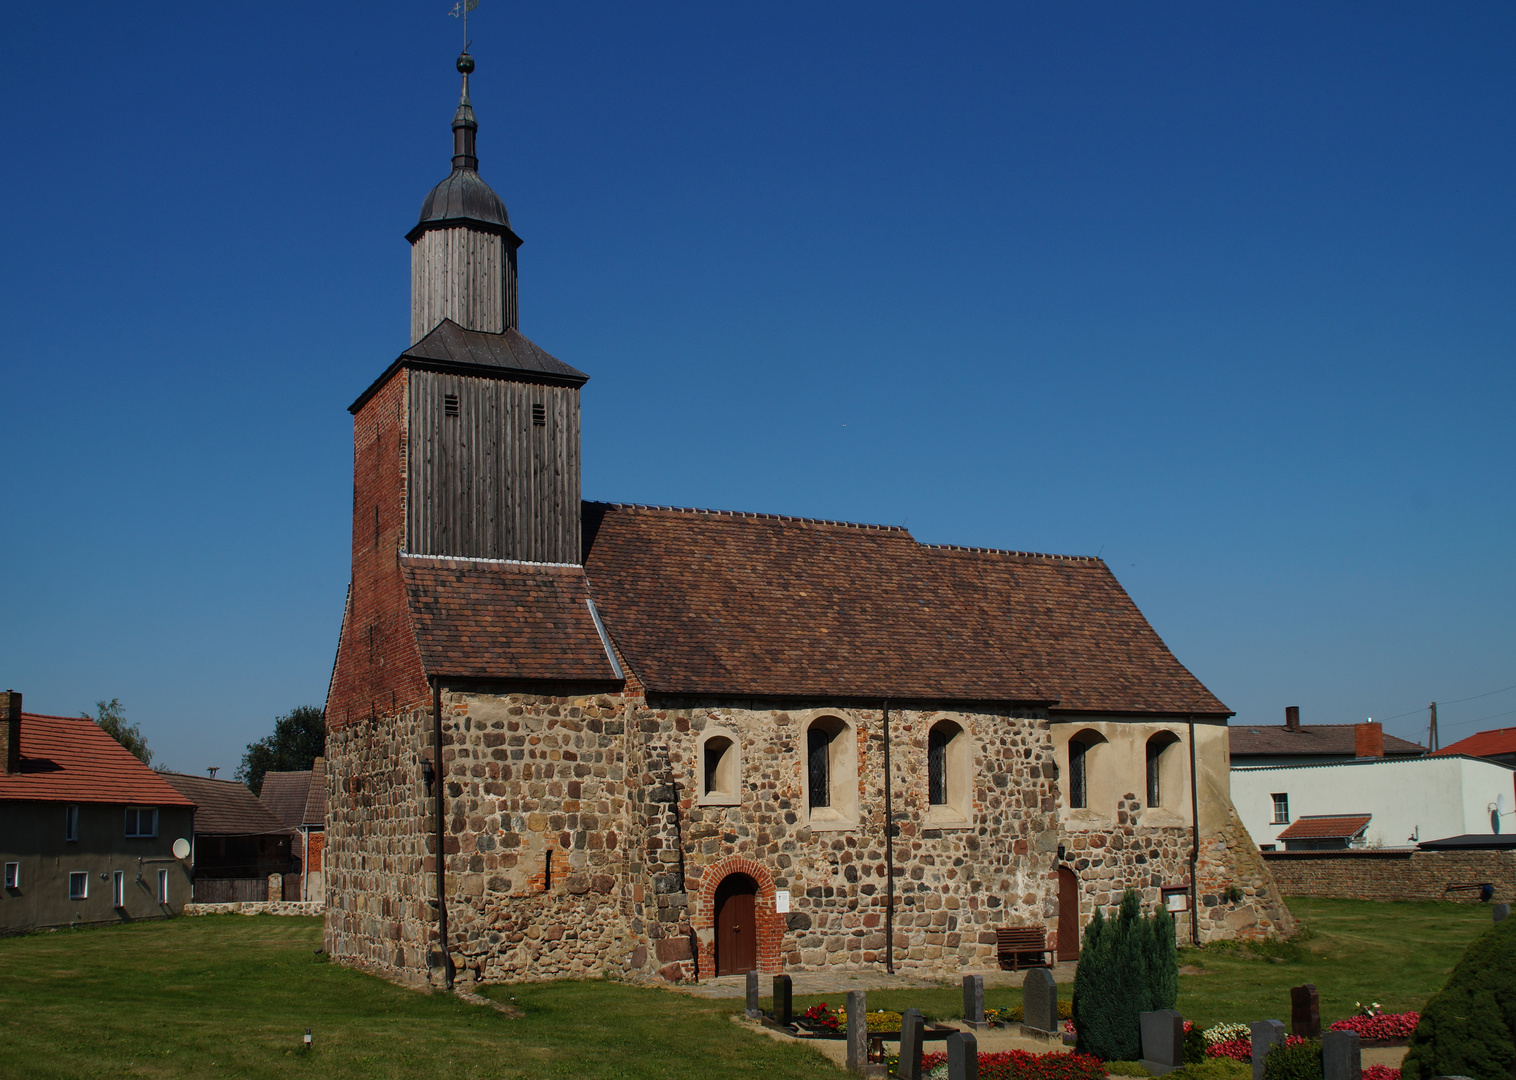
(1485, 743)
(297, 798)
(224, 807)
(714, 602)
(1310, 739)
(503, 620)
(1327, 827)
(64, 759)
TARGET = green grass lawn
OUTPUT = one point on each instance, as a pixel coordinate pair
(231, 996)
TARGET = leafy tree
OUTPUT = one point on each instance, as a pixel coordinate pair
(299, 738)
(111, 716)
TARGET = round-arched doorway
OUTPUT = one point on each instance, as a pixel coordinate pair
(736, 943)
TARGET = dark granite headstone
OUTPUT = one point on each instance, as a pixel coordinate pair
(784, 1000)
(1341, 1056)
(911, 1028)
(1162, 1041)
(1500, 911)
(963, 1056)
(857, 1030)
(1266, 1034)
(753, 1011)
(973, 1000)
(1305, 1012)
(1039, 996)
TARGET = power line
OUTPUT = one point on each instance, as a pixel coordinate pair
(1456, 701)
(1492, 693)
(1478, 719)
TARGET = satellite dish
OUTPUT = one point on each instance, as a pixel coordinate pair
(181, 848)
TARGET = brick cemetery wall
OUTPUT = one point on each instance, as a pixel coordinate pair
(1393, 875)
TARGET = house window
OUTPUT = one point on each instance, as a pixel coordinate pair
(1281, 809)
(71, 823)
(162, 886)
(118, 889)
(13, 875)
(720, 768)
(78, 885)
(831, 773)
(141, 821)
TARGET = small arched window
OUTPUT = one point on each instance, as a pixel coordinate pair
(936, 765)
(720, 768)
(1086, 783)
(830, 773)
(949, 774)
(1164, 778)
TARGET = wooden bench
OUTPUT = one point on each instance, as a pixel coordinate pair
(1017, 947)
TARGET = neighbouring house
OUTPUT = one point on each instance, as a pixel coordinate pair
(1294, 743)
(569, 738)
(1372, 802)
(87, 832)
(238, 842)
(1498, 745)
(299, 800)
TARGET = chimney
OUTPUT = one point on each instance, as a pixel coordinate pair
(1368, 739)
(10, 730)
(1292, 718)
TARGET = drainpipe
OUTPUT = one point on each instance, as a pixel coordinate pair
(441, 810)
(1194, 842)
(889, 853)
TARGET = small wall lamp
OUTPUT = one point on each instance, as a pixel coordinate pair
(428, 775)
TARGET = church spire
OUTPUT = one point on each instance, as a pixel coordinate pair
(463, 251)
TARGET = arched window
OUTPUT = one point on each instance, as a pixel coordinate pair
(1087, 783)
(1079, 796)
(720, 768)
(830, 773)
(949, 774)
(1164, 777)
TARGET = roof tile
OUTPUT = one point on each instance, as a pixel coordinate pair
(224, 807)
(1326, 827)
(64, 759)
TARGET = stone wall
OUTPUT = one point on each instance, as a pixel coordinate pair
(1393, 875)
(1239, 897)
(258, 907)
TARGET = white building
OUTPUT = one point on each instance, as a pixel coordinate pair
(1304, 807)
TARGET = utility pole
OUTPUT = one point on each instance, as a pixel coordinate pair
(1432, 736)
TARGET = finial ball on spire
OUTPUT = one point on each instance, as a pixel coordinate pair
(465, 63)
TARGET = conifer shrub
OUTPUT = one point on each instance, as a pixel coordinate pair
(1128, 965)
(1297, 1060)
(1467, 1027)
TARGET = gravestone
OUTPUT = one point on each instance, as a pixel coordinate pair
(1266, 1034)
(963, 1056)
(857, 1031)
(1305, 1012)
(1341, 1056)
(911, 1029)
(753, 1011)
(1162, 1041)
(973, 1000)
(1500, 911)
(784, 1000)
(1039, 996)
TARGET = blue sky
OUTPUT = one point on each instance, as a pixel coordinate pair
(1221, 293)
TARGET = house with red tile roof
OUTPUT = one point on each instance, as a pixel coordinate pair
(87, 832)
(1498, 745)
(573, 738)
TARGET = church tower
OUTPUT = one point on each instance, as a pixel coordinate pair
(488, 454)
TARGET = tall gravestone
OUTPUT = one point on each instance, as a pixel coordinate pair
(1341, 1056)
(911, 1029)
(1266, 1034)
(1162, 1041)
(1305, 1012)
(784, 1000)
(857, 1031)
(973, 1000)
(1039, 996)
(963, 1056)
(753, 1011)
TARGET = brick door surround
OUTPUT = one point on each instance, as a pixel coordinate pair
(770, 924)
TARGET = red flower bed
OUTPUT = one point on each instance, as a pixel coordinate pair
(823, 1018)
(1380, 1072)
(1242, 1049)
(1022, 1065)
(1383, 1026)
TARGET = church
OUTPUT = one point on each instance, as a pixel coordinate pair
(569, 738)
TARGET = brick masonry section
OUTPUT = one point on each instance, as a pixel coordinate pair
(1393, 875)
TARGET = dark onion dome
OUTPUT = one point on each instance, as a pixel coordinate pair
(464, 198)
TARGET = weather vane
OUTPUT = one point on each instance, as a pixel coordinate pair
(460, 11)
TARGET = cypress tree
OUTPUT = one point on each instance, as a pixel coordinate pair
(1129, 990)
(1163, 960)
(1092, 988)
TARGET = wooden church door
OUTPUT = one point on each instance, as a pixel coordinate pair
(736, 925)
(1068, 914)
